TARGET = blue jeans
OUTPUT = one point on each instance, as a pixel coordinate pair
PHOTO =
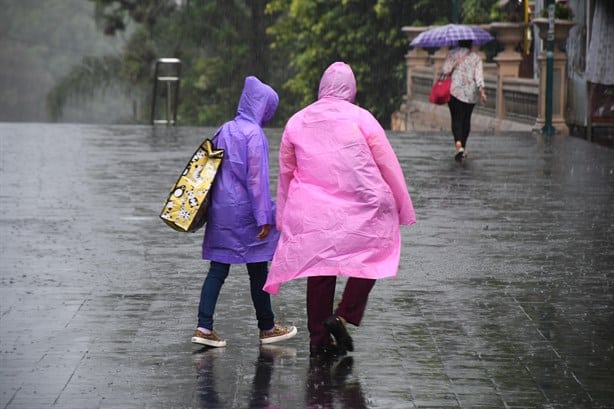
(213, 284)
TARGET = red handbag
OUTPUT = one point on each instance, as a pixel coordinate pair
(440, 93)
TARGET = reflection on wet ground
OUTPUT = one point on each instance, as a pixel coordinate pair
(504, 297)
(328, 382)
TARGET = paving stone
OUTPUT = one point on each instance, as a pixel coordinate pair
(504, 297)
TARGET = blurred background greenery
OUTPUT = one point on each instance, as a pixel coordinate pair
(92, 60)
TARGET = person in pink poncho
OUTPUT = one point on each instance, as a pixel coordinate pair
(341, 197)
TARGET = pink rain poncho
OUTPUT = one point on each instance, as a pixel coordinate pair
(341, 193)
(240, 197)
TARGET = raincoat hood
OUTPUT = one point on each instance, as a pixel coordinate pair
(258, 101)
(338, 81)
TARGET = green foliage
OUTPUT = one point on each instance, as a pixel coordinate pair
(103, 71)
(286, 43)
(114, 15)
(477, 11)
(219, 42)
(40, 41)
(433, 12)
(131, 73)
(217, 54)
(562, 11)
(512, 11)
(311, 34)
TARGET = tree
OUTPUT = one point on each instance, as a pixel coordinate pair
(115, 15)
(218, 41)
(436, 12)
(286, 43)
(131, 72)
(38, 46)
(308, 35)
(477, 11)
(224, 42)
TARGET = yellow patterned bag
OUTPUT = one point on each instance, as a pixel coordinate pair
(186, 206)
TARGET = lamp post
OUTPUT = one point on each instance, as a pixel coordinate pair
(548, 129)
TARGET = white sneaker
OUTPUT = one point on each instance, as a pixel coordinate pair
(211, 339)
(278, 333)
(459, 154)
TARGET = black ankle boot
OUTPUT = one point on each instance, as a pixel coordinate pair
(342, 337)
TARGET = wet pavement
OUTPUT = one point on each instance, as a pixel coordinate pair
(504, 297)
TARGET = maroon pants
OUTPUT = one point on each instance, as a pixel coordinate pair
(320, 300)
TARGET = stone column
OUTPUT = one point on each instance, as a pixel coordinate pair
(559, 75)
(416, 57)
(508, 60)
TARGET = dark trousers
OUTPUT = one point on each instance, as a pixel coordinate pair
(460, 112)
(218, 272)
(320, 300)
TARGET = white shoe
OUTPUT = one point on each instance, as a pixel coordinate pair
(460, 154)
(211, 339)
(278, 333)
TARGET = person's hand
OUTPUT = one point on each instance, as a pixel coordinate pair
(483, 97)
(264, 231)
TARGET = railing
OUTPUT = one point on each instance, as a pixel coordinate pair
(520, 95)
(510, 98)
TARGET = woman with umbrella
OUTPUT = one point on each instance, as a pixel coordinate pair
(466, 70)
(467, 86)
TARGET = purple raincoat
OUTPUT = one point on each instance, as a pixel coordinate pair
(240, 197)
(341, 193)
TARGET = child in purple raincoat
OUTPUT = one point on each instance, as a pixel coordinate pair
(241, 226)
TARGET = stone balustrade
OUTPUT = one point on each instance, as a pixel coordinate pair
(513, 102)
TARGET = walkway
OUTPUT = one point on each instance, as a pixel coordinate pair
(504, 297)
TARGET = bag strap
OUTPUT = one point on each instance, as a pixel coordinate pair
(460, 61)
(456, 65)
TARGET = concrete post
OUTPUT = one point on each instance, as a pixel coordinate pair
(559, 76)
(416, 57)
(508, 60)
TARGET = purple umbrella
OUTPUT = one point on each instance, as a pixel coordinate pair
(449, 35)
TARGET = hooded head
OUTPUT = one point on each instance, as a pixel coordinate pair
(258, 101)
(465, 43)
(338, 82)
